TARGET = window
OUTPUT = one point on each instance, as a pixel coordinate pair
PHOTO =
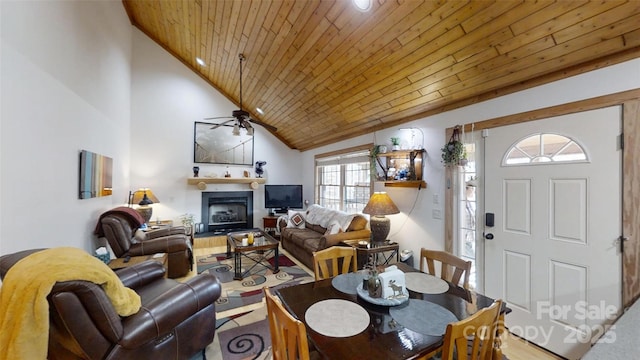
(343, 179)
(466, 208)
(544, 148)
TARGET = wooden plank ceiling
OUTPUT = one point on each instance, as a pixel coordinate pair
(323, 71)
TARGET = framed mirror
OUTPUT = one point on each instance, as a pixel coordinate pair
(214, 143)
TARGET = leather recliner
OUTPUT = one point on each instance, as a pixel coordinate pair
(176, 320)
(120, 232)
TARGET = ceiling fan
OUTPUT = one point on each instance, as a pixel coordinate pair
(242, 118)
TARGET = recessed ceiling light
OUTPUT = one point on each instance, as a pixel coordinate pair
(200, 61)
(260, 111)
(362, 5)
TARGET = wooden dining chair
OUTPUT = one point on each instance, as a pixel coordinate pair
(460, 267)
(333, 261)
(288, 334)
(473, 338)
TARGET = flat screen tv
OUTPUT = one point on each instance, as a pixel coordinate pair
(282, 197)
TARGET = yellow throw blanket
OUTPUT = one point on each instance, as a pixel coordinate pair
(24, 309)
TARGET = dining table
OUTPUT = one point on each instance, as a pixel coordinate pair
(343, 322)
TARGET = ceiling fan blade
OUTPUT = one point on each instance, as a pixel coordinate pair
(220, 117)
(263, 124)
(215, 126)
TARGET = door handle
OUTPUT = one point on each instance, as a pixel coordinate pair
(488, 236)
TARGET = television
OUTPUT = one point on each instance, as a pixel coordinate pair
(282, 197)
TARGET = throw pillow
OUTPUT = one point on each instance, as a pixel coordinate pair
(296, 219)
(359, 222)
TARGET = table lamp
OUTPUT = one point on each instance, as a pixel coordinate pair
(144, 198)
(379, 205)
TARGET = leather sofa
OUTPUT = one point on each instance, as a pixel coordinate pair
(124, 238)
(322, 229)
(176, 320)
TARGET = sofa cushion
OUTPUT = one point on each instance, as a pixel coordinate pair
(317, 228)
(304, 238)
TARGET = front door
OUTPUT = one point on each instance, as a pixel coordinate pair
(554, 187)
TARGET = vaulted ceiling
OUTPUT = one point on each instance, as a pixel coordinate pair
(323, 71)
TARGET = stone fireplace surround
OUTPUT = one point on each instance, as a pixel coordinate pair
(225, 211)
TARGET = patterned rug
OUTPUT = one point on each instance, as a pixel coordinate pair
(242, 328)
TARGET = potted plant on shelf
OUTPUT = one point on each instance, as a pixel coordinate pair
(187, 221)
(453, 152)
(395, 143)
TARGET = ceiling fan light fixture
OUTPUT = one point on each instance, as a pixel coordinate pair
(250, 131)
(362, 5)
(236, 130)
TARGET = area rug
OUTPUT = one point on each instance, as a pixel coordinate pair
(238, 295)
(242, 328)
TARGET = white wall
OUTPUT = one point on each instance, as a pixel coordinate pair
(167, 98)
(65, 87)
(420, 229)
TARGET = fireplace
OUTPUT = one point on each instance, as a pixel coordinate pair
(225, 211)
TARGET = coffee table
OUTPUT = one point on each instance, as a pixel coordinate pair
(263, 246)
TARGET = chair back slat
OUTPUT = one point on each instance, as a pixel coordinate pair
(449, 264)
(473, 338)
(333, 261)
(288, 334)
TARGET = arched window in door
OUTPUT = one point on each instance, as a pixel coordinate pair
(545, 148)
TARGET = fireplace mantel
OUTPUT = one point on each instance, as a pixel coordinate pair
(202, 182)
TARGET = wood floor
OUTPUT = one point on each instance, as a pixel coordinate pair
(513, 347)
(517, 349)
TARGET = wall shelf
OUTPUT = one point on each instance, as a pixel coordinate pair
(406, 183)
(201, 182)
(401, 168)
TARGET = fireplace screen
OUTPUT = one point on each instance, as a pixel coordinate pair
(226, 211)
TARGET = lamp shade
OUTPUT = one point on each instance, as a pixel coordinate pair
(144, 196)
(380, 204)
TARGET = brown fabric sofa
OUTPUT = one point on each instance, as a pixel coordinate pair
(302, 241)
(176, 320)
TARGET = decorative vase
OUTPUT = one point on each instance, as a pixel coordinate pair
(395, 147)
(382, 149)
(374, 286)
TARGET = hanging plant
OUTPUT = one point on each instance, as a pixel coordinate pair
(373, 156)
(453, 152)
